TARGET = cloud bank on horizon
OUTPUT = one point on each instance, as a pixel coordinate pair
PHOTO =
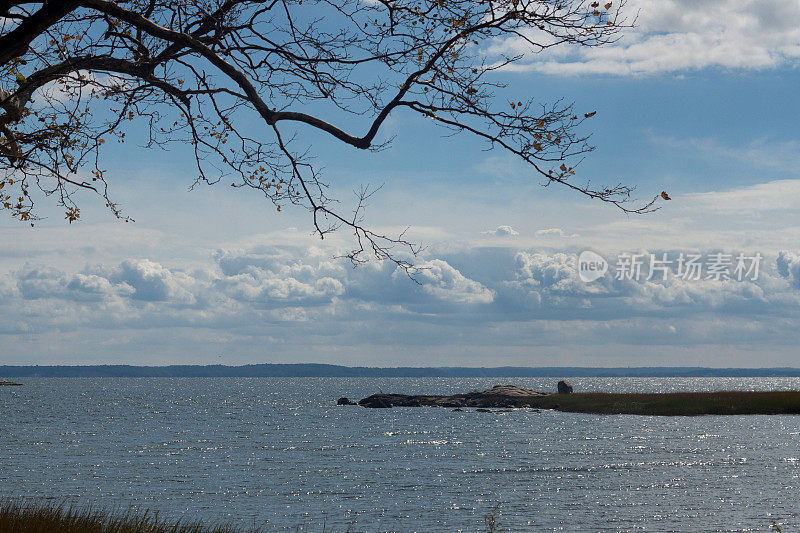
(516, 299)
(298, 296)
(508, 295)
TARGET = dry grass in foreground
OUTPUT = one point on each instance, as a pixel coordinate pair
(24, 517)
(676, 403)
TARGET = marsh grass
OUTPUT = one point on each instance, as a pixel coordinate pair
(38, 517)
(676, 403)
(57, 518)
(27, 517)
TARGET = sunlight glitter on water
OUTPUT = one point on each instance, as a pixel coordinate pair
(279, 453)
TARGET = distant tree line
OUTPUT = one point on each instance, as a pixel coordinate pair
(323, 370)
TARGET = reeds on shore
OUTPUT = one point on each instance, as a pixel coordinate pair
(26, 517)
(675, 403)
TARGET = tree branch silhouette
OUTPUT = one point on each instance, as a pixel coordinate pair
(76, 74)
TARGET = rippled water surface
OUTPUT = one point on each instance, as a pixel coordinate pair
(278, 453)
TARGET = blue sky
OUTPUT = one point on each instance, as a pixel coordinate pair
(700, 105)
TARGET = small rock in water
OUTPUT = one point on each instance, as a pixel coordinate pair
(564, 387)
(482, 410)
(458, 410)
(345, 401)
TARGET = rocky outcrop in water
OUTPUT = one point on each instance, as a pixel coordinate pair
(564, 387)
(607, 403)
(345, 401)
(497, 396)
(9, 384)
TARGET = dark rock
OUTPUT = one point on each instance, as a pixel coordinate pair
(10, 384)
(507, 396)
(482, 410)
(564, 387)
(377, 401)
(345, 401)
(458, 410)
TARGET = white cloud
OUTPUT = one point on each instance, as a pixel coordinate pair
(502, 231)
(153, 282)
(679, 35)
(483, 296)
(284, 285)
(545, 286)
(554, 232)
(544, 270)
(263, 289)
(770, 196)
(759, 154)
(446, 283)
(95, 287)
(245, 299)
(788, 264)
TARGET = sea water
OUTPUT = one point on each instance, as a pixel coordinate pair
(277, 453)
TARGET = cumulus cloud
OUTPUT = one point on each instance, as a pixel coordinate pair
(38, 283)
(264, 289)
(152, 282)
(261, 278)
(443, 281)
(555, 232)
(94, 288)
(678, 35)
(788, 264)
(546, 286)
(294, 279)
(502, 231)
(301, 296)
(545, 270)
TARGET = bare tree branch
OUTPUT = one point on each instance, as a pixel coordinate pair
(76, 73)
